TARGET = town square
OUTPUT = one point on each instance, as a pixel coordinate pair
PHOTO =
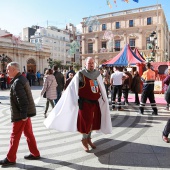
(85, 85)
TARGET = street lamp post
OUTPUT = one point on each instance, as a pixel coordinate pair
(3, 59)
(153, 40)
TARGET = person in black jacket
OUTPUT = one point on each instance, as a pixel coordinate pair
(60, 81)
(126, 86)
(71, 71)
(22, 109)
(29, 77)
(135, 87)
(68, 80)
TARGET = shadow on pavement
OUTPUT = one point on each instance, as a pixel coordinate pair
(4, 98)
(123, 153)
(56, 164)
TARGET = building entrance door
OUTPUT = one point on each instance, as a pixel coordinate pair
(31, 65)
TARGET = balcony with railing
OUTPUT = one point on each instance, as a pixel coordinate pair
(103, 50)
(126, 12)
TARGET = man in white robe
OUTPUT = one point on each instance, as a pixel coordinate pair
(65, 115)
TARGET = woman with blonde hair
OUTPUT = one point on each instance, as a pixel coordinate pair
(49, 89)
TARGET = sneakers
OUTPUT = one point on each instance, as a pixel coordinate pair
(165, 139)
(154, 113)
(5, 162)
(31, 157)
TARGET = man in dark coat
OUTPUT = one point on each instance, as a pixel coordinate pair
(135, 87)
(60, 81)
(22, 108)
(29, 77)
(126, 86)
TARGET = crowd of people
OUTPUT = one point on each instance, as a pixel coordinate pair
(119, 83)
(30, 75)
(4, 81)
(79, 101)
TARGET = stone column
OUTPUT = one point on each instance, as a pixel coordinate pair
(83, 61)
(96, 59)
(83, 45)
(96, 43)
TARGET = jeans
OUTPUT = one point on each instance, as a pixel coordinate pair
(116, 90)
(59, 92)
(125, 95)
(47, 105)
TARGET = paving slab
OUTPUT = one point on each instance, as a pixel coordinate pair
(135, 142)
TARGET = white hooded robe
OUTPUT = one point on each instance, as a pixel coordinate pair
(64, 115)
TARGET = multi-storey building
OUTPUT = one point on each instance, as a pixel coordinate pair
(28, 32)
(75, 36)
(57, 40)
(3, 32)
(78, 54)
(133, 27)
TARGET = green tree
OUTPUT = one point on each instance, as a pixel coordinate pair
(57, 63)
(52, 62)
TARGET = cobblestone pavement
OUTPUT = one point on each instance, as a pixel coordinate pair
(135, 142)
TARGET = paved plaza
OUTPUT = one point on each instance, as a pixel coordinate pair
(135, 142)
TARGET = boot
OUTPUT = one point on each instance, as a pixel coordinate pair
(90, 143)
(155, 111)
(45, 115)
(85, 144)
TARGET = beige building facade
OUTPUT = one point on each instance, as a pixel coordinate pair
(24, 53)
(132, 27)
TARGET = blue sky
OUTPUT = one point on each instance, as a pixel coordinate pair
(17, 14)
